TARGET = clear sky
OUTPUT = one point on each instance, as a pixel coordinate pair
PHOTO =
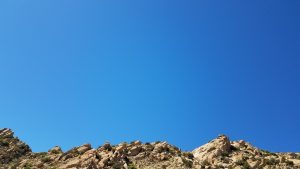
(75, 71)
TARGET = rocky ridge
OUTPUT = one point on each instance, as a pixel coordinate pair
(218, 153)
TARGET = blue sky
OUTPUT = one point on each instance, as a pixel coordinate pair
(73, 72)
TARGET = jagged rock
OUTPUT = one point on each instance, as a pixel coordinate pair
(72, 163)
(135, 150)
(253, 164)
(213, 149)
(218, 153)
(55, 150)
(105, 146)
(6, 133)
(136, 143)
(121, 146)
(11, 148)
(160, 147)
(84, 148)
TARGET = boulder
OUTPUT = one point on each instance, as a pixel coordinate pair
(84, 148)
(55, 150)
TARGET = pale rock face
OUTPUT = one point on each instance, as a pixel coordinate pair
(218, 153)
(89, 154)
(214, 148)
(253, 164)
(121, 147)
(160, 147)
(296, 161)
(137, 143)
(72, 163)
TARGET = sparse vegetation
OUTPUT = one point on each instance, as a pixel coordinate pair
(232, 148)
(225, 154)
(225, 160)
(46, 159)
(289, 163)
(131, 166)
(189, 155)
(243, 163)
(55, 152)
(28, 166)
(4, 143)
(272, 161)
(205, 163)
(268, 153)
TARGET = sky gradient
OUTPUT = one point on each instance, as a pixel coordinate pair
(73, 72)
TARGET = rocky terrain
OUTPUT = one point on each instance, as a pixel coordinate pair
(218, 153)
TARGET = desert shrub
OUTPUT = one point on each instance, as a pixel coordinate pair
(189, 155)
(131, 166)
(232, 148)
(224, 154)
(27, 166)
(246, 166)
(46, 159)
(289, 163)
(205, 163)
(243, 163)
(55, 151)
(4, 143)
(225, 160)
(272, 161)
(268, 153)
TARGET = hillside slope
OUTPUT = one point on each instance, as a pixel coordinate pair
(218, 153)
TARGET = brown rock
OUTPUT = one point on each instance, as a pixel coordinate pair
(84, 148)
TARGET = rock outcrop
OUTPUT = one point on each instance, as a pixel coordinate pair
(11, 148)
(223, 153)
(218, 153)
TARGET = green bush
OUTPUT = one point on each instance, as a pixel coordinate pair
(131, 166)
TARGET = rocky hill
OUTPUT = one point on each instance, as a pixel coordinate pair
(218, 153)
